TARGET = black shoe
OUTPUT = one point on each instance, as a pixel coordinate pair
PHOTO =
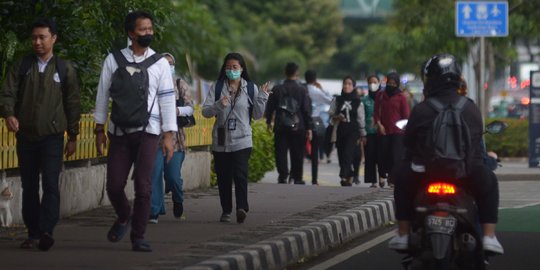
(356, 181)
(45, 242)
(141, 245)
(178, 210)
(225, 217)
(282, 181)
(241, 215)
(301, 182)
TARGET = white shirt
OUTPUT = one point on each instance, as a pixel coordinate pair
(163, 115)
(43, 64)
(320, 100)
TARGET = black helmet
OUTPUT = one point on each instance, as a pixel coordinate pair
(443, 68)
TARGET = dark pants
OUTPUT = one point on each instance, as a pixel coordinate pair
(137, 149)
(232, 167)
(357, 159)
(315, 147)
(328, 145)
(391, 152)
(371, 159)
(45, 157)
(293, 142)
(482, 183)
(347, 145)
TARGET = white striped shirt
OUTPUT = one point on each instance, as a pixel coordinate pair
(163, 115)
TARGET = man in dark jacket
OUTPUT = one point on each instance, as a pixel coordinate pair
(289, 108)
(39, 102)
(443, 77)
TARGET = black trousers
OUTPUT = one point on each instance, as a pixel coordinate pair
(45, 157)
(482, 183)
(232, 167)
(371, 158)
(347, 146)
(294, 143)
(328, 145)
(357, 159)
(315, 147)
(390, 153)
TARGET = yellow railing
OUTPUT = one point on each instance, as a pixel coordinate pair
(199, 135)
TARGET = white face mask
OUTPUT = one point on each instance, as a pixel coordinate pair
(373, 87)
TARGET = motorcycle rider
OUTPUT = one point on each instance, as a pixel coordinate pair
(442, 76)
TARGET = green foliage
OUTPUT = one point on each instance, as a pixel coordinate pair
(262, 155)
(513, 142)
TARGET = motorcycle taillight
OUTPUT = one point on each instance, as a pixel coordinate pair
(440, 188)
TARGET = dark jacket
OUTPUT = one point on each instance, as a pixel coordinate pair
(40, 103)
(300, 94)
(420, 124)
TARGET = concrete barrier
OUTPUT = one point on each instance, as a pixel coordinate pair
(83, 188)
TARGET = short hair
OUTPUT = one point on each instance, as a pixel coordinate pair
(290, 69)
(310, 76)
(169, 55)
(131, 19)
(45, 22)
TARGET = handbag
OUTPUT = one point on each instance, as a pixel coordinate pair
(184, 121)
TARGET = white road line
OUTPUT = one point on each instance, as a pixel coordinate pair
(350, 253)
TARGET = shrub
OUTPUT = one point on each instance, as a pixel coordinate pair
(262, 155)
(513, 142)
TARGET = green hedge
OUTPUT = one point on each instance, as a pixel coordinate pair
(262, 155)
(513, 142)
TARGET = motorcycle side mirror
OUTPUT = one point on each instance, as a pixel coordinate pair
(496, 127)
(401, 124)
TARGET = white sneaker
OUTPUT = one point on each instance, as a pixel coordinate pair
(399, 242)
(492, 244)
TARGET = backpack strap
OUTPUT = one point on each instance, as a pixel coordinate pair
(26, 63)
(251, 94)
(119, 57)
(435, 104)
(151, 60)
(460, 104)
(217, 90)
(28, 60)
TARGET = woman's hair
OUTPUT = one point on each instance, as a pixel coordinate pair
(348, 77)
(310, 76)
(372, 76)
(234, 56)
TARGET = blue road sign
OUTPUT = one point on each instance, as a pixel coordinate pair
(482, 19)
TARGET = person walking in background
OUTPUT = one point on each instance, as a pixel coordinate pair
(390, 106)
(359, 151)
(171, 171)
(134, 136)
(348, 111)
(234, 100)
(291, 105)
(40, 100)
(372, 140)
(320, 103)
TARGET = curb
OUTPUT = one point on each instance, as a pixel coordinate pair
(306, 241)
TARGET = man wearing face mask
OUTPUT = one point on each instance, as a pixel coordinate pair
(372, 140)
(127, 75)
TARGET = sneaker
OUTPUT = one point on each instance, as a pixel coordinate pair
(241, 215)
(373, 185)
(356, 180)
(178, 210)
(399, 242)
(153, 219)
(225, 217)
(382, 182)
(492, 244)
(45, 242)
(301, 182)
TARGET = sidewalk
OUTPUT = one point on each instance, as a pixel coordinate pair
(274, 209)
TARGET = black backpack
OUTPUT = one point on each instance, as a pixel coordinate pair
(287, 111)
(449, 140)
(250, 90)
(129, 92)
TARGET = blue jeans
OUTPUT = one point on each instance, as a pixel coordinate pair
(44, 156)
(172, 173)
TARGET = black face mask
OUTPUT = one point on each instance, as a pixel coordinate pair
(144, 41)
(391, 90)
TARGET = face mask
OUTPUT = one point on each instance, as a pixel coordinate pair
(144, 41)
(172, 70)
(233, 74)
(373, 87)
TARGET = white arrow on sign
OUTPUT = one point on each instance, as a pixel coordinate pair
(467, 12)
(495, 11)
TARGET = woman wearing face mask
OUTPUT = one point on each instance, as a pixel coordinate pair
(370, 149)
(390, 106)
(349, 112)
(171, 171)
(230, 102)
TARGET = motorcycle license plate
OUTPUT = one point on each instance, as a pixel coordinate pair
(436, 224)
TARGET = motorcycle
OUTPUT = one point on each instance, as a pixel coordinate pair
(445, 232)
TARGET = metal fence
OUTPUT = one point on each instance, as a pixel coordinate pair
(198, 135)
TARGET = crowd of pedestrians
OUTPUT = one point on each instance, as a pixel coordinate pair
(144, 130)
